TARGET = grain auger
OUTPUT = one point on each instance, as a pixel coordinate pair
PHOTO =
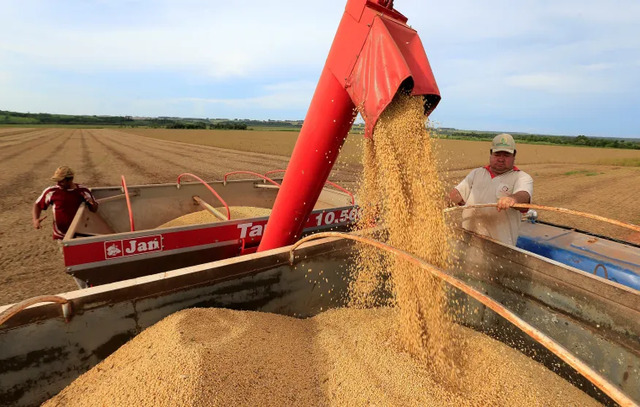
(373, 55)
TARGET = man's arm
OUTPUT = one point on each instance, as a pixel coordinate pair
(89, 199)
(507, 202)
(93, 204)
(461, 192)
(524, 190)
(455, 197)
(35, 214)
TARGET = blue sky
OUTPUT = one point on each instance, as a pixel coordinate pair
(556, 67)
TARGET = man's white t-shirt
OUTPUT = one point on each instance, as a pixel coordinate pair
(481, 186)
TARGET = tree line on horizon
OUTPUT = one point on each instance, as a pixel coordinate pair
(580, 140)
(26, 119)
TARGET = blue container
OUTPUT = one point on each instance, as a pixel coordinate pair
(615, 261)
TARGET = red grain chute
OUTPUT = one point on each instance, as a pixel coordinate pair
(373, 55)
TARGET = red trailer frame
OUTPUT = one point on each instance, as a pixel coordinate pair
(100, 247)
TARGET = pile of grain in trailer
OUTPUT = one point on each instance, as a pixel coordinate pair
(218, 357)
(204, 216)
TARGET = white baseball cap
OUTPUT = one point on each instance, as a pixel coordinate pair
(503, 142)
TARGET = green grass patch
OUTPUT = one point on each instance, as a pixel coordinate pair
(622, 162)
(273, 128)
(582, 172)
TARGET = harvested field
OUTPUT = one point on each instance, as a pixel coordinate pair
(577, 178)
(468, 154)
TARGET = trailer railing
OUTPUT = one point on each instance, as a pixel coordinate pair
(333, 184)
(126, 195)
(208, 187)
(264, 177)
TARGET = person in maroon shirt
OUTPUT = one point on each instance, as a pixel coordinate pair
(66, 197)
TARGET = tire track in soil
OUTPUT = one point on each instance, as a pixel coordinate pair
(341, 173)
(16, 140)
(149, 154)
(198, 148)
(201, 161)
(607, 193)
(17, 150)
(14, 145)
(344, 174)
(29, 176)
(169, 150)
(124, 159)
(16, 132)
(236, 156)
(88, 165)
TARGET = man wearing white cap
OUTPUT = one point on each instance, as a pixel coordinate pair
(500, 182)
(65, 197)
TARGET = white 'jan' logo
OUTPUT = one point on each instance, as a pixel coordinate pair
(113, 250)
(134, 246)
(130, 247)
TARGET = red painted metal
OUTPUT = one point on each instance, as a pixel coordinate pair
(333, 184)
(126, 195)
(264, 177)
(213, 191)
(248, 230)
(245, 249)
(374, 53)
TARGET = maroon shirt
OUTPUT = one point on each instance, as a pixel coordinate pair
(65, 205)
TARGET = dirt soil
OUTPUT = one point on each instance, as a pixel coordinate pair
(31, 263)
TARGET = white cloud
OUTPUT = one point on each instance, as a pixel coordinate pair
(217, 41)
(609, 12)
(492, 59)
(547, 82)
(5, 77)
(288, 95)
(598, 67)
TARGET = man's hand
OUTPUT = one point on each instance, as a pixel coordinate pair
(93, 205)
(455, 198)
(520, 197)
(36, 221)
(506, 202)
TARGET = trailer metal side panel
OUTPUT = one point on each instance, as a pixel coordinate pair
(40, 353)
(597, 320)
